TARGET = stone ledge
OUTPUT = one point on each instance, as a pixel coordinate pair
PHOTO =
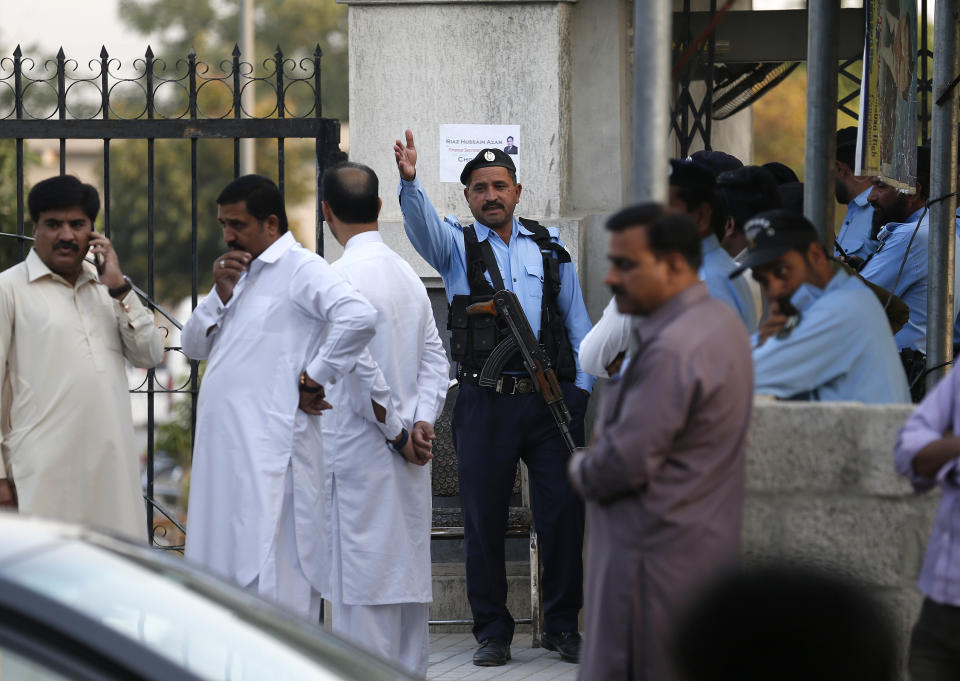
(817, 448)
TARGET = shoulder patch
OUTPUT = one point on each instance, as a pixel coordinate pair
(454, 221)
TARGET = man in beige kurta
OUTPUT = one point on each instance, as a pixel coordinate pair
(68, 450)
(664, 477)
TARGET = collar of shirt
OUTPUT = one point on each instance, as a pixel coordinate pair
(709, 244)
(483, 231)
(892, 227)
(36, 269)
(273, 253)
(861, 198)
(669, 311)
(363, 238)
(805, 296)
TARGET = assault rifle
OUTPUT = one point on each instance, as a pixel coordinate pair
(535, 360)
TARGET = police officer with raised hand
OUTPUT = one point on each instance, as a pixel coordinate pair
(494, 427)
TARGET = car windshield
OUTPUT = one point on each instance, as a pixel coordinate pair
(202, 635)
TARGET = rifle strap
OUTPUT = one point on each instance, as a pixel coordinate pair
(474, 247)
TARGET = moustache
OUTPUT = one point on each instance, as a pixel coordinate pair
(493, 204)
(235, 246)
(617, 291)
(66, 244)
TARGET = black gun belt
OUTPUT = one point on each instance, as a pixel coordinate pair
(507, 384)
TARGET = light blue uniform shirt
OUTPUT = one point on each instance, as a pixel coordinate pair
(912, 285)
(854, 237)
(842, 349)
(715, 273)
(440, 243)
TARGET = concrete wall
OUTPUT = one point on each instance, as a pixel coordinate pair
(821, 490)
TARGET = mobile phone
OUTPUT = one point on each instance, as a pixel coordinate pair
(98, 260)
(787, 308)
(791, 313)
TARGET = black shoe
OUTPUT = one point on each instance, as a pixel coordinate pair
(493, 652)
(567, 644)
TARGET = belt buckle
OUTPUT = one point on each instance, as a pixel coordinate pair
(499, 387)
(523, 386)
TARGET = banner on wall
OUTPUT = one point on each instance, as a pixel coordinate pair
(887, 144)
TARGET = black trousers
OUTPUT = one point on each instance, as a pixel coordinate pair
(491, 433)
(935, 643)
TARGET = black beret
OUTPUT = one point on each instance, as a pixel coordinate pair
(782, 173)
(690, 174)
(847, 146)
(487, 158)
(717, 161)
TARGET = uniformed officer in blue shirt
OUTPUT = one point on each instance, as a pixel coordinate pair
(900, 263)
(858, 234)
(493, 428)
(827, 336)
(692, 193)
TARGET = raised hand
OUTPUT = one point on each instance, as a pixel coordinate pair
(406, 157)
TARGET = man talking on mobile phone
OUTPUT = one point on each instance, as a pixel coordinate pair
(826, 336)
(65, 332)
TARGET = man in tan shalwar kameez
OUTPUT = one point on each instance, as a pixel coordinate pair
(664, 477)
(68, 449)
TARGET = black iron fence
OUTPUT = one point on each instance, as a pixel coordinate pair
(152, 100)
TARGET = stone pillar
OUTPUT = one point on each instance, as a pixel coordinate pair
(560, 69)
(418, 65)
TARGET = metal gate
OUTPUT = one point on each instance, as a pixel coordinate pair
(74, 112)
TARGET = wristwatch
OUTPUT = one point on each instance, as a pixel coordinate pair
(304, 388)
(121, 291)
(400, 441)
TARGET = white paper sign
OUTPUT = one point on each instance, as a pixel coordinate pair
(460, 142)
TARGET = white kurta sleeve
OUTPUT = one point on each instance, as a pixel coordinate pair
(322, 293)
(373, 386)
(142, 340)
(433, 377)
(200, 331)
(608, 338)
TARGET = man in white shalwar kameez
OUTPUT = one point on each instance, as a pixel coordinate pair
(278, 327)
(379, 501)
(68, 448)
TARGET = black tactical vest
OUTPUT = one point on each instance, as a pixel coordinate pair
(473, 337)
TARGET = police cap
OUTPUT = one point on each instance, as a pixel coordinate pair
(717, 161)
(690, 173)
(487, 158)
(847, 146)
(772, 233)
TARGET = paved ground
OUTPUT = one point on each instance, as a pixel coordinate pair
(451, 659)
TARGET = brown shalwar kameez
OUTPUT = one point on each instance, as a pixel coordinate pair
(664, 482)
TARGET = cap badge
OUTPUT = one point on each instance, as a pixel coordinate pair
(489, 156)
(756, 225)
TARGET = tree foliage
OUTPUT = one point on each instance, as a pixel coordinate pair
(210, 28)
(9, 247)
